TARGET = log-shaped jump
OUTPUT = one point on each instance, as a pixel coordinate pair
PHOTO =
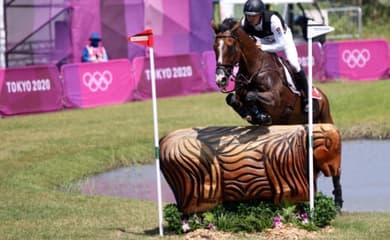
(207, 166)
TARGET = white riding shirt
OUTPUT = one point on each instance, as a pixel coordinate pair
(280, 40)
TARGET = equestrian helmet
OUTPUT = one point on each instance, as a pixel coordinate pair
(253, 7)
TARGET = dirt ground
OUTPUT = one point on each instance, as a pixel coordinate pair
(285, 232)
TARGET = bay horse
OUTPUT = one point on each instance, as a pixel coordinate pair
(261, 83)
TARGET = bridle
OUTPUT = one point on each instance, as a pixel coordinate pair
(227, 69)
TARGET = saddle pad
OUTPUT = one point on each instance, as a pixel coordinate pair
(315, 93)
(290, 82)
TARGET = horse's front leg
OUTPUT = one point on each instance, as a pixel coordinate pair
(258, 116)
(234, 101)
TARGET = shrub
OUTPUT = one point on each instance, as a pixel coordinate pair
(174, 218)
(324, 210)
(252, 216)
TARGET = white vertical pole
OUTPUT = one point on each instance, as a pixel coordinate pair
(312, 31)
(156, 140)
(310, 123)
(2, 35)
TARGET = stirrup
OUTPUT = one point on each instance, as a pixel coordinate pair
(306, 108)
(305, 105)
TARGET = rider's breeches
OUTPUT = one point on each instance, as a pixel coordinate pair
(290, 50)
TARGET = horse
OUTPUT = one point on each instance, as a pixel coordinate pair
(262, 84)
(262, 81)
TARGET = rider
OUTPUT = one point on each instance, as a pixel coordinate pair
(274, 35)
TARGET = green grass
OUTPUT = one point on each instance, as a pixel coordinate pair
(360, 110)
(43, 155)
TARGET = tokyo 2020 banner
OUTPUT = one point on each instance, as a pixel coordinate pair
(29, 90)
(96, 84)
(358, 60)
(175, 76)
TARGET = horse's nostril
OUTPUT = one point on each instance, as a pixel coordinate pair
(222, 82)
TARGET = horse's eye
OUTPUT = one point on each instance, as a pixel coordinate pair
(231, 50)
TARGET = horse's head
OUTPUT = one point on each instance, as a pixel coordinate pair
(227, 50)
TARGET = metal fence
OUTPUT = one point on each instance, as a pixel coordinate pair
(347, 22)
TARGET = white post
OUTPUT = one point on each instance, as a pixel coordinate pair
(156, 140)
(2, 35)
(312, 31)
(310, 123)
(145, 38)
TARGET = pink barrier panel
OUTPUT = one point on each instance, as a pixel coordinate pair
(210, 63)
(96, 84)
(175, 75)
(357, 60)
(318, 71)
(30, 89)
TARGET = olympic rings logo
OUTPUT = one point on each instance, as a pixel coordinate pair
(97, 81)
(356, 58)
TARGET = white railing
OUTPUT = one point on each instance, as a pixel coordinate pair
(347, 22)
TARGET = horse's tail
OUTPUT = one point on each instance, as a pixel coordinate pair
(324, 114)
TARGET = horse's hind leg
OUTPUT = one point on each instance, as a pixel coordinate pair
(337, 192)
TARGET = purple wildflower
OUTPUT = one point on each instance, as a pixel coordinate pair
(212, 227)
(185, 225)
(304, 218)
(277, 221)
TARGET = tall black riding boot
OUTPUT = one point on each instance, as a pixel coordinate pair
(300, 78)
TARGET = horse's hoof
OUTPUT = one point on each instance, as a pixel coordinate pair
(249, 119)
(265, 120)
(262, 120)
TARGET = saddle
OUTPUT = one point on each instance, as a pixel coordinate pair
(290, 80)
(289, 73)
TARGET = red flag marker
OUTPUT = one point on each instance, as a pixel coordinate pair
(146, 38)
(143, 38)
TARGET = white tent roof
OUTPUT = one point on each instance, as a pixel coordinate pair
(269, 1)
(227, 6)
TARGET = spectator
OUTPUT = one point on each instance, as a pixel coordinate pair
(94, 51)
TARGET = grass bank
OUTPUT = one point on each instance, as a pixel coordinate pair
(42, 155)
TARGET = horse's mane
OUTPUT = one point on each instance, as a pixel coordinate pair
(227, 24)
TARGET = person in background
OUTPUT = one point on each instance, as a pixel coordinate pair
(274, 35)
(94, 51)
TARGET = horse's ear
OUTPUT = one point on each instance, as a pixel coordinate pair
(214, 26)
(236, 26)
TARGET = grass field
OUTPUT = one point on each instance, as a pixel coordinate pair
(42, 156)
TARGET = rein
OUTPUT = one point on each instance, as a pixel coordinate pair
(227, 68)
(247, 81)
(239, 79)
